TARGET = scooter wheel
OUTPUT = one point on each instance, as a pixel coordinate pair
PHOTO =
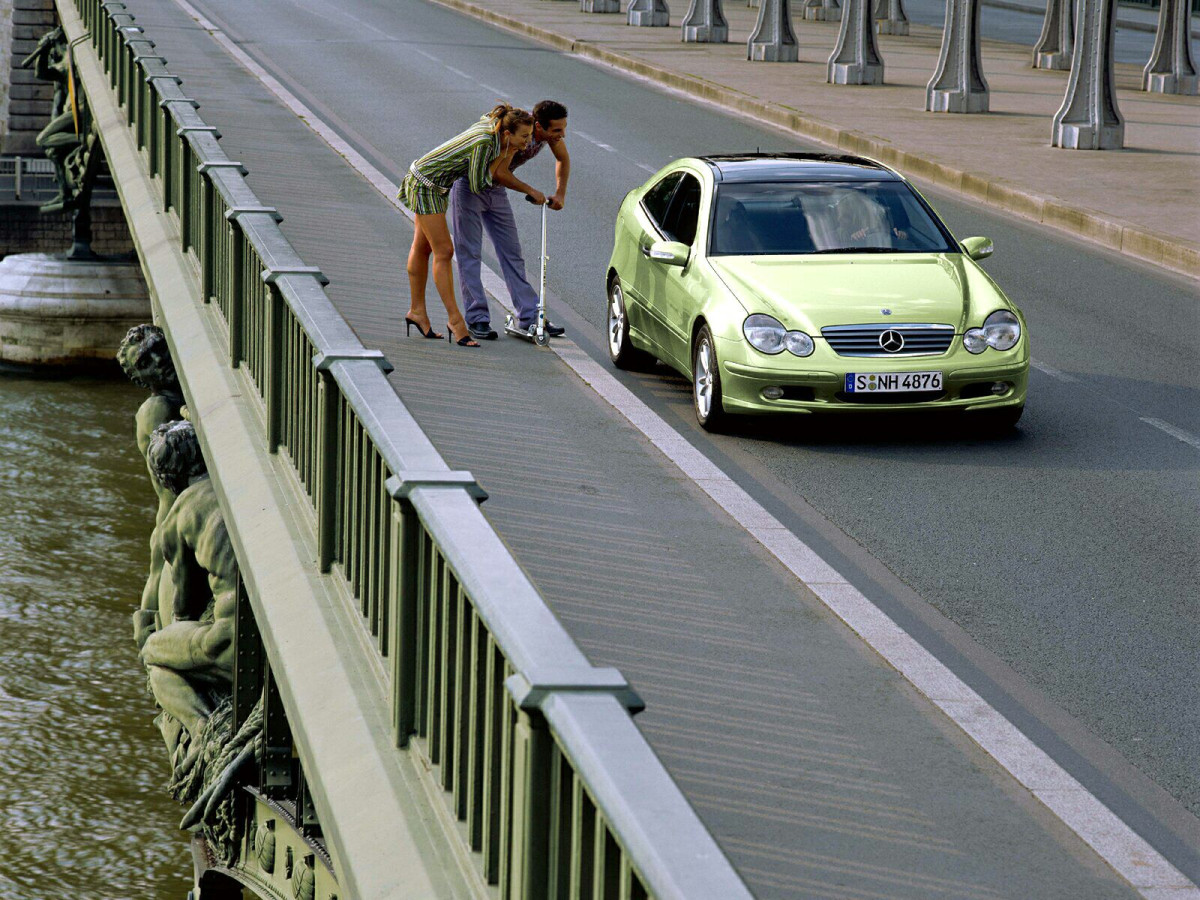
(543, 339)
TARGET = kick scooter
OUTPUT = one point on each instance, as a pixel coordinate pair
(537, 333)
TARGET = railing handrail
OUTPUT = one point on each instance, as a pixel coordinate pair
(587, 708)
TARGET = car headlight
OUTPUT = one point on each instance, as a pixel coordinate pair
(1001, 331)
(764, 333)
(798, 343)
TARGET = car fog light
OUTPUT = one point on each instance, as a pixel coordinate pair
(999, 388)
(974, 340)
(772, 393)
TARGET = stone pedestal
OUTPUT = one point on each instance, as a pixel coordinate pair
(1171, 69)
(822, 10)
(1057, 41)
(705, 23)
(890, 17)
(600, 6)
(958, 85)
(1089, 118)
(773, 39)
(648, 13)
(56, 312)
(855, 58)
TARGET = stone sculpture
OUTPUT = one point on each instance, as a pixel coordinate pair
(146, 359)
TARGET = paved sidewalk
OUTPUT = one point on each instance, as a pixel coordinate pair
(1144, 201)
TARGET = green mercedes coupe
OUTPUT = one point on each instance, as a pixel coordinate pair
(806, 283)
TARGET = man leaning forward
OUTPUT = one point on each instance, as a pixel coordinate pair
(471, 214)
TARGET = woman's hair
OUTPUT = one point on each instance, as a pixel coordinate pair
(509, 117)
(547, 111)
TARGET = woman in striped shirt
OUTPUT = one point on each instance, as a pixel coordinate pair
(476, 153)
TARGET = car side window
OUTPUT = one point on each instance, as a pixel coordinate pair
(684, 212)
(658, 197)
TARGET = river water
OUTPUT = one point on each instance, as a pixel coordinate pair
(83, 810)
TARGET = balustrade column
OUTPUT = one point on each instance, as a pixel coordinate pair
(1171, 69)
(1088, 118)
(600, 6)
(649, 13)
(1054, 46)
(773, 39)
(958, 85)
(890, 17)
(705, 23)
(855, 58)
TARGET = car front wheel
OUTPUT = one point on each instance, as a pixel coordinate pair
(706, 383)
(620, 349)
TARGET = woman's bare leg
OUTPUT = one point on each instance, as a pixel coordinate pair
(418, 276)
(437, 235)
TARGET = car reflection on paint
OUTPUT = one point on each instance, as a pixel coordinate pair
(806, 283)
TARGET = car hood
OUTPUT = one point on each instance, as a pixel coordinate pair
(809, 293)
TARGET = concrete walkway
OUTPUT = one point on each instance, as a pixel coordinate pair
(1143, 201)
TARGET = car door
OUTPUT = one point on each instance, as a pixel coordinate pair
(677, 289)
(645, 317)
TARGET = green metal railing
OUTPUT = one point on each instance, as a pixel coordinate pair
(534, 746)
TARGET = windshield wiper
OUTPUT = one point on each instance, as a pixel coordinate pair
(857, 250)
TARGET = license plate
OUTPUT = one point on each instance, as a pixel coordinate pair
(893, 382)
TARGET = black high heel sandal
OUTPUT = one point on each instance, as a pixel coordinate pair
(431, 334)
(464, 341)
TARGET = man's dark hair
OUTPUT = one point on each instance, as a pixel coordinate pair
(547, 111)
(174, 455)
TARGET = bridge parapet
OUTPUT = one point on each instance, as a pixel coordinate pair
(532, 747)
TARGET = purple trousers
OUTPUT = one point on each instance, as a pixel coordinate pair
(470, 214)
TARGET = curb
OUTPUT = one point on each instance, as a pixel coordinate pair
(1146, 246)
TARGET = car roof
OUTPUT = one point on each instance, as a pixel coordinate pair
(735, 167)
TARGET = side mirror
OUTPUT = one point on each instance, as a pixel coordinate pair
(669, 253)
(978, 247)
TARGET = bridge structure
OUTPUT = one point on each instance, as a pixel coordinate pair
(430, 726)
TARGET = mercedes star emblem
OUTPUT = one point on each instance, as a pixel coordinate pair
(891, 341)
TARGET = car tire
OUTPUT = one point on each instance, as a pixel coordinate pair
(620, 348)
(1000, 421)
(706, 383)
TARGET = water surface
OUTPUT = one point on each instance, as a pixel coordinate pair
(82, 767)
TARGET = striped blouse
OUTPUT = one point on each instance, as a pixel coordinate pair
(470, 153)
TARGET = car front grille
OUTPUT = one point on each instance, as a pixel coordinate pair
(877, 340)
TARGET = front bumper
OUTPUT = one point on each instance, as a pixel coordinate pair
(815, 384)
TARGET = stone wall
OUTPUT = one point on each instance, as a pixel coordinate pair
(24, 101)
(24, 230)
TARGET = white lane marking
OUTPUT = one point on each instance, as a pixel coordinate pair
(459, 72)
(1177, 433)
(1052, 372)
(646, 168)
(598, 143)
(1114, 841)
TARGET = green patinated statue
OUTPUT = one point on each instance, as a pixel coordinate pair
(146, 359)
(190, 659)
(50, 61)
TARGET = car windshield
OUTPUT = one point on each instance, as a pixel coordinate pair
(824, 217)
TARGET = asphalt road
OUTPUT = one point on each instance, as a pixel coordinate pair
(1054, 570)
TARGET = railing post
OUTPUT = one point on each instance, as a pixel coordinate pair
(273, 347)
(531, 789)
(237, 284)
(208, 225)
(650, 13)
(600, 6)
(890, 17)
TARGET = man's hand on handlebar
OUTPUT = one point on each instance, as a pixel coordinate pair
(555, 201)
(536, 197)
